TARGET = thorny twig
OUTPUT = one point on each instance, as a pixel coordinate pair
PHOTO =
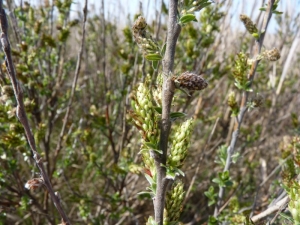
(243, 107)
(21, 113)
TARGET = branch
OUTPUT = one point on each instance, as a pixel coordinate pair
(167, 96)
(287, 64)
(74, 84)
(243, 107)
(276, 207)
(21, 114)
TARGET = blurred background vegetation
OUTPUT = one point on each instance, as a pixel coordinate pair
(95, 165)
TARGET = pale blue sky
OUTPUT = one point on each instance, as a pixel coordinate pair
(119, 9)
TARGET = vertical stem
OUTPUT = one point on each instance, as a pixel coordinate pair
(243, 107)
(167, 95)
(22, 116)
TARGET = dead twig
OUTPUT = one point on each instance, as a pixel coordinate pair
(276, 207)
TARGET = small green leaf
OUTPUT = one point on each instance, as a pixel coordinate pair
(153, 57)
(238, 85)
(171, 175)
(22, 18)
(152, 188)
(145, 193)
(180, 172)
(155, 65)
(151, 145)
(211, 195)
(211, 202)
(204, 5)
(256, 35)
(143, 150)
(173, 172)
(163, 49)
(262, 9)
(151, 221)
(223, 179)
(224, 175)
(212, 220)
(217, 181)
(228, 183)
(235, 157)
(149, 179)
(208, 194)
(47, 39)
(187, 18)
(274, 7)
(158, 151)
(277, 12)
(175, 115)
(158, 110)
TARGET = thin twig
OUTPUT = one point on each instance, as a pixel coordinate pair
(158, 18)
(276, 207)
(74, 84)
(287, 65)
(200, 159)
(243, 107)
(21, 114)
(167, 96)
(274, 171)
